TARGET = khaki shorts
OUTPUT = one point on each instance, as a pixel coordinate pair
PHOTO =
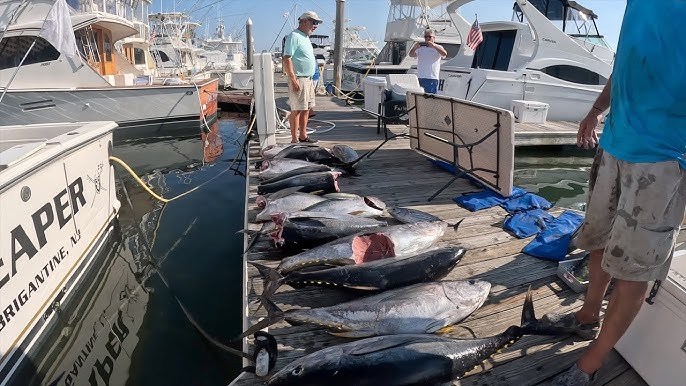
(633, 213)
(304, 98)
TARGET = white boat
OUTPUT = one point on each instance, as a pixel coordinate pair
(99, 84)
(59, 206)
(136, 47)
(532, 58)
(221, 55)
(407, 20)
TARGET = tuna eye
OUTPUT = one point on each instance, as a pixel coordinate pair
(297, 371)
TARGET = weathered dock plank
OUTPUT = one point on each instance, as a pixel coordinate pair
(400, 176)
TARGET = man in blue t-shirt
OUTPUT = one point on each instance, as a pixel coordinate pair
(299, 65)
(637, 184)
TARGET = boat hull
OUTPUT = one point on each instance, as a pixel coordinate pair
(58, 212)
(138, 110)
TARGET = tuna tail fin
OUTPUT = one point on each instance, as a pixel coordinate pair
(272, 278)
(274, 315)
(532, 326)
(456, 225)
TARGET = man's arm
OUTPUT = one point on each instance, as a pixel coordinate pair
(413, 50)
(587, 137)
(287, 64)
(438, 48)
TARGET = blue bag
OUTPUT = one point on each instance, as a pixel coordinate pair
(528, 223)
(486, 199)
(553, 242)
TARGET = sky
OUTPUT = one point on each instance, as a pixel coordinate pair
(271, 19)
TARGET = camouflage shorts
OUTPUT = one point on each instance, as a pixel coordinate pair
(633, 213)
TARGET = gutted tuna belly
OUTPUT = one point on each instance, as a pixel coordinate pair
(372, 247)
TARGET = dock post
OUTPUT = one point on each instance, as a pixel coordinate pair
(248, 38)
(338, 46)
(265, 104)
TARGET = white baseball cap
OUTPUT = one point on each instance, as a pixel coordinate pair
(310, 15)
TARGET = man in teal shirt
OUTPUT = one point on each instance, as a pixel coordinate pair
(637, 184)
(299, 65)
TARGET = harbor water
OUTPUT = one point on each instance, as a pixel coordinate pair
(165, 295)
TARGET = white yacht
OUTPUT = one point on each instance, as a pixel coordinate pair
(173, 38)
(407, 20)
(98, 84)
(59, 206)
(551, 52)
(221, 55)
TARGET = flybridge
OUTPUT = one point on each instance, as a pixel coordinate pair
(64, 205)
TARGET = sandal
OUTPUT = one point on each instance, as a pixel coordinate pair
(308, 139)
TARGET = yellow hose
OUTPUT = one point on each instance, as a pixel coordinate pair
(166, 200)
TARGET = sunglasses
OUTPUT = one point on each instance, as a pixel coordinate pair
(428, 36)
(314, 22)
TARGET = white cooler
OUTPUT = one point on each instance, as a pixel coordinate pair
(529, 111)
(241, 79)
(655, 343)
(373, 88)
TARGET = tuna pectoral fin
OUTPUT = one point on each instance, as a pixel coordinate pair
(375, 345)
(353, 334)
(284, 192)
(274, 315)
(272, 278)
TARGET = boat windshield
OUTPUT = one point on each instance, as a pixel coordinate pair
(569, 16)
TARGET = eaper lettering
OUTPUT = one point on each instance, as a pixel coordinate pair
(27, 243)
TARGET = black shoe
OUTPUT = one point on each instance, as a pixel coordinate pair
(309, 140)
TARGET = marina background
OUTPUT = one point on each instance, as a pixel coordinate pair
(268, 16)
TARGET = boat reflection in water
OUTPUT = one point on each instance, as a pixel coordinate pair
(126, 326)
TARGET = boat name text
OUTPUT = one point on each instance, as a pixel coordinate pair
(21, 245)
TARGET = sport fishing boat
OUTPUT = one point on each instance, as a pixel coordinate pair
(40, 84)
(407, 20)
(550, 52)
(59, 209)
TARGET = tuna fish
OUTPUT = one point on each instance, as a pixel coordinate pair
(292, 203)
(345, 154)
(309, 229)
(310, 182)
(407, 215)
(367, 206)
(392, 241)
(277, 167)
(423, 308)
(377, 275)
(397, 360)
(310, 153)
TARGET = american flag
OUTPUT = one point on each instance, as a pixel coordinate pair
(475, 36)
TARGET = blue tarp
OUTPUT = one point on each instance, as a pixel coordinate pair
(527, 223)
(525, 202)
(486, 199)
(553, 242)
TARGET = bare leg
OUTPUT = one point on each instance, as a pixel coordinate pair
(304, 117)
(294, 121)
(598, 280)
(625, 302)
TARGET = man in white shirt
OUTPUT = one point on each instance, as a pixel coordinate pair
(429, 55)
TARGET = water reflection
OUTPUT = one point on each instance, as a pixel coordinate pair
(125, 326)
(560, 174)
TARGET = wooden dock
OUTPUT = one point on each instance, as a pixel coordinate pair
(234, 100)
(400, 176)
